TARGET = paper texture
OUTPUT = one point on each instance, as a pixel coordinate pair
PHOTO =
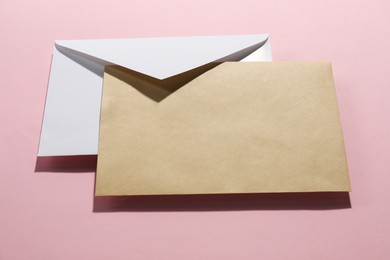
(71, 119)
(238, 128)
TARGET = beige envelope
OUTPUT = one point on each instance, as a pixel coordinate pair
(237, 128)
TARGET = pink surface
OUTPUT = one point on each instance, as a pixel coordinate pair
(49, 215)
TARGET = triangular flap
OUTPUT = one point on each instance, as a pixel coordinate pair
(164, 57)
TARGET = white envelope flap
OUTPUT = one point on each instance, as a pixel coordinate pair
(165, 57)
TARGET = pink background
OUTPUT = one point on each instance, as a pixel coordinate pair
(49, 215)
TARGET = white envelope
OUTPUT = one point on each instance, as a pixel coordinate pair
(71, 118)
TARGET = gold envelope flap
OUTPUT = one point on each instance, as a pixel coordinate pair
(237, 128)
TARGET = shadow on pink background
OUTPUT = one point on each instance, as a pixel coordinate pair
(64, 164)
(225, 202)
(52, 214)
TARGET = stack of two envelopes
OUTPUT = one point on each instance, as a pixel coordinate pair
(194, 115)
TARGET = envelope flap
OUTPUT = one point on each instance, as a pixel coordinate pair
(165, 57)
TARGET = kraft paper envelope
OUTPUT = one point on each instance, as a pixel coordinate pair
(71, 119)
(237, 128)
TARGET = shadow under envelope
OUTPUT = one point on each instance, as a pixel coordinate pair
(66, 164)
(224, 202)
(153, 88)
